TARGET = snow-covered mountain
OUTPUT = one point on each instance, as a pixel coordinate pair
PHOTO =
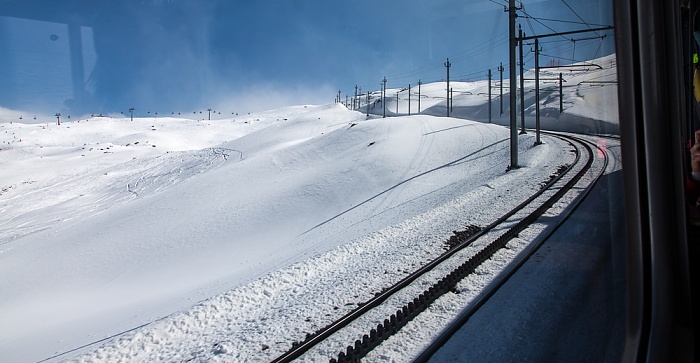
(108, 224)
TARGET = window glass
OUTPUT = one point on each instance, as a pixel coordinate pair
(216, 180)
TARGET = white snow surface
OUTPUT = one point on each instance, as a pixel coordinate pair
(168, 239)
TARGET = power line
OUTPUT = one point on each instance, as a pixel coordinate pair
(504, 4)
(399, 80)
(541, 23)
(535, 19)
(477, 49)
(575, 13)
(565, 46)
(578, 16)
(428, 67)
(555, 41)
(562, 21)
(488, 44)
(599, 46)
(529, 23)
(474, 52)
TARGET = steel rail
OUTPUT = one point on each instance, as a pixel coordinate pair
(460, 320)
(299, 348)
(448, 283)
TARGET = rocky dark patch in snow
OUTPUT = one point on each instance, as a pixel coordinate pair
(461, 236)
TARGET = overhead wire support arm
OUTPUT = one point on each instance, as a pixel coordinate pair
(590, 38)
(531, 37)
(587, 65)
(537, 74)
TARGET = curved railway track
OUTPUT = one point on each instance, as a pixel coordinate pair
(459, 261)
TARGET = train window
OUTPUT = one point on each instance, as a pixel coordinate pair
(361, 181)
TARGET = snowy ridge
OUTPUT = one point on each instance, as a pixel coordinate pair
(589, 98)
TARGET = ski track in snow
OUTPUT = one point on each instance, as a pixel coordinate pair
(100, 188)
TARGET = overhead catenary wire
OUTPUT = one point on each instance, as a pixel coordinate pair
(541, 23)
(578, 16)
(580, 45)
(504, 3)
(431, 72)
(476, 50)
(600, 45)
(562, 21)
(540, 20)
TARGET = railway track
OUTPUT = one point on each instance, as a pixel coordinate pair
(473, 247)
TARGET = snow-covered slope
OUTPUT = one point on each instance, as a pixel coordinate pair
(109, 224)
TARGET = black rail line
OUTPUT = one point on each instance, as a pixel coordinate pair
(456, 324)
(448, 283)
(420, 303)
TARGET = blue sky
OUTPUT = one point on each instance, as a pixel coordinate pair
(83, 57)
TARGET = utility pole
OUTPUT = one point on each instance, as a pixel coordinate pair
(513, 86)
(367, 103)
(419, 83)
(338, 96)
(500, 69)
(489, 75)
(384, 96)
(409, 99)
(451, 103)
(561, 94)
(354, 99)
(448, 65)
(537, 90)
(397, 103)
(131, 110)
(522, 83)
(209, 110)
(359, 97)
